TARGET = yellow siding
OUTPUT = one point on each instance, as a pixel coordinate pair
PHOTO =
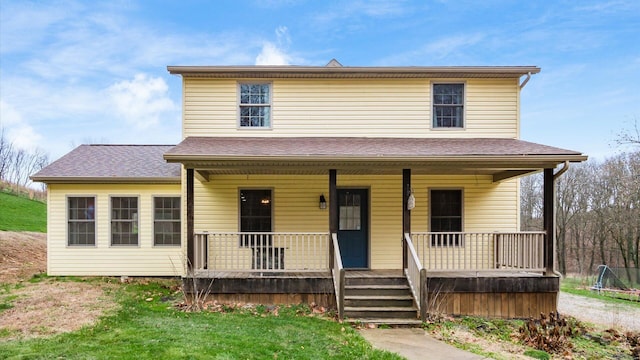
(488, 206)
(352, 107)
(104, 259)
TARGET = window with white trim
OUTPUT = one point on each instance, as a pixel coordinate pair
(448, 105)
(124, 221)
(256, 216)
(81, 221)
(255, 105)
(166, 221)
(445, 212)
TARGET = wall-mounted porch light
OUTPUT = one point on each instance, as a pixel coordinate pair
(323, 202)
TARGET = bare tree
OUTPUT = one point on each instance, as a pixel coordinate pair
(6, 155)
(597, 214)
(630, 136)
(567, 208)
(531, 202)
(17, 164)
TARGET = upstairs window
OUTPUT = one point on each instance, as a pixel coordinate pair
(448, 105)
(255, 105)
(81, 223)
(124, 221)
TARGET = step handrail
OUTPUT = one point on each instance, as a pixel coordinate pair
(338, 275)
(416, 276)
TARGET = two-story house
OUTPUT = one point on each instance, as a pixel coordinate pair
(385, 192)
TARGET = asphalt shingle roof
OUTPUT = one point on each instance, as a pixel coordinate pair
(358, 147)
(115, 162)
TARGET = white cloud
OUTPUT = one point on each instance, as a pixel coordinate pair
(18, 131)
(9, 115)
(273, 54)
(60, 68)
(282, 34)
(142, 101)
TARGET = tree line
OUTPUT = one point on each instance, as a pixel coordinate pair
(17, 164)
(597, 213)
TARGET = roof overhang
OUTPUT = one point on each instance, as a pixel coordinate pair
(350, 72)
(105, 180)
(228, 156)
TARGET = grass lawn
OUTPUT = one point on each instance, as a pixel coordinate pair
(150, 327)
(18, 213)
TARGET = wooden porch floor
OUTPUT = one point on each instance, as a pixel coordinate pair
(483, 274)
(212, 274)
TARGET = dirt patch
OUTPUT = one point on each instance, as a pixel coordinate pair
(52, 307)
(49, 306)
(600, 312)
(22, 255)
(464, 336)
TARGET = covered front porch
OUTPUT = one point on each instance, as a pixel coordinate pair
(369, 190)
(222, 254)
(493, 274)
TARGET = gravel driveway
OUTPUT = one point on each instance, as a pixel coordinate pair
(599, 312)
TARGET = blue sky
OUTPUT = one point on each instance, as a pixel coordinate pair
(74, 72)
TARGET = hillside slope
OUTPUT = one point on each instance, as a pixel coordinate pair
(18, 213)
(22, 255)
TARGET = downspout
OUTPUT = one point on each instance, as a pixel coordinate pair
(555, 177)
(525, 81)
(561, 171)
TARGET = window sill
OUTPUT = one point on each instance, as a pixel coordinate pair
(448, 128)
(253, 128)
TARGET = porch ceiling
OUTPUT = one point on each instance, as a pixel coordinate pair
(502, 158)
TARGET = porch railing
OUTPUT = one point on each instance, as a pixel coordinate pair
(416, 275)
(465, 251)
(337, 271)
(260, 252)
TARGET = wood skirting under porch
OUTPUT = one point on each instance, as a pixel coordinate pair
(508, 296)
(265, 288)
(497, 295)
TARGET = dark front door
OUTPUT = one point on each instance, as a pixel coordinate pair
(256, 220)
(353, 227)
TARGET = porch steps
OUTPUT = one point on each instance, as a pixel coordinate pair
(379, 299)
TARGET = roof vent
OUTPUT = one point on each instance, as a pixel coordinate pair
(333, 63)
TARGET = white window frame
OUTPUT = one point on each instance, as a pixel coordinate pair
(69, 220)
(154, 220)
(464, 106)
(137, 220)
(239, 106)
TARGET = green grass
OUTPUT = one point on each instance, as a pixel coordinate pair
(538, 354)
(18, 213)
(156, 330)
(581, 286)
